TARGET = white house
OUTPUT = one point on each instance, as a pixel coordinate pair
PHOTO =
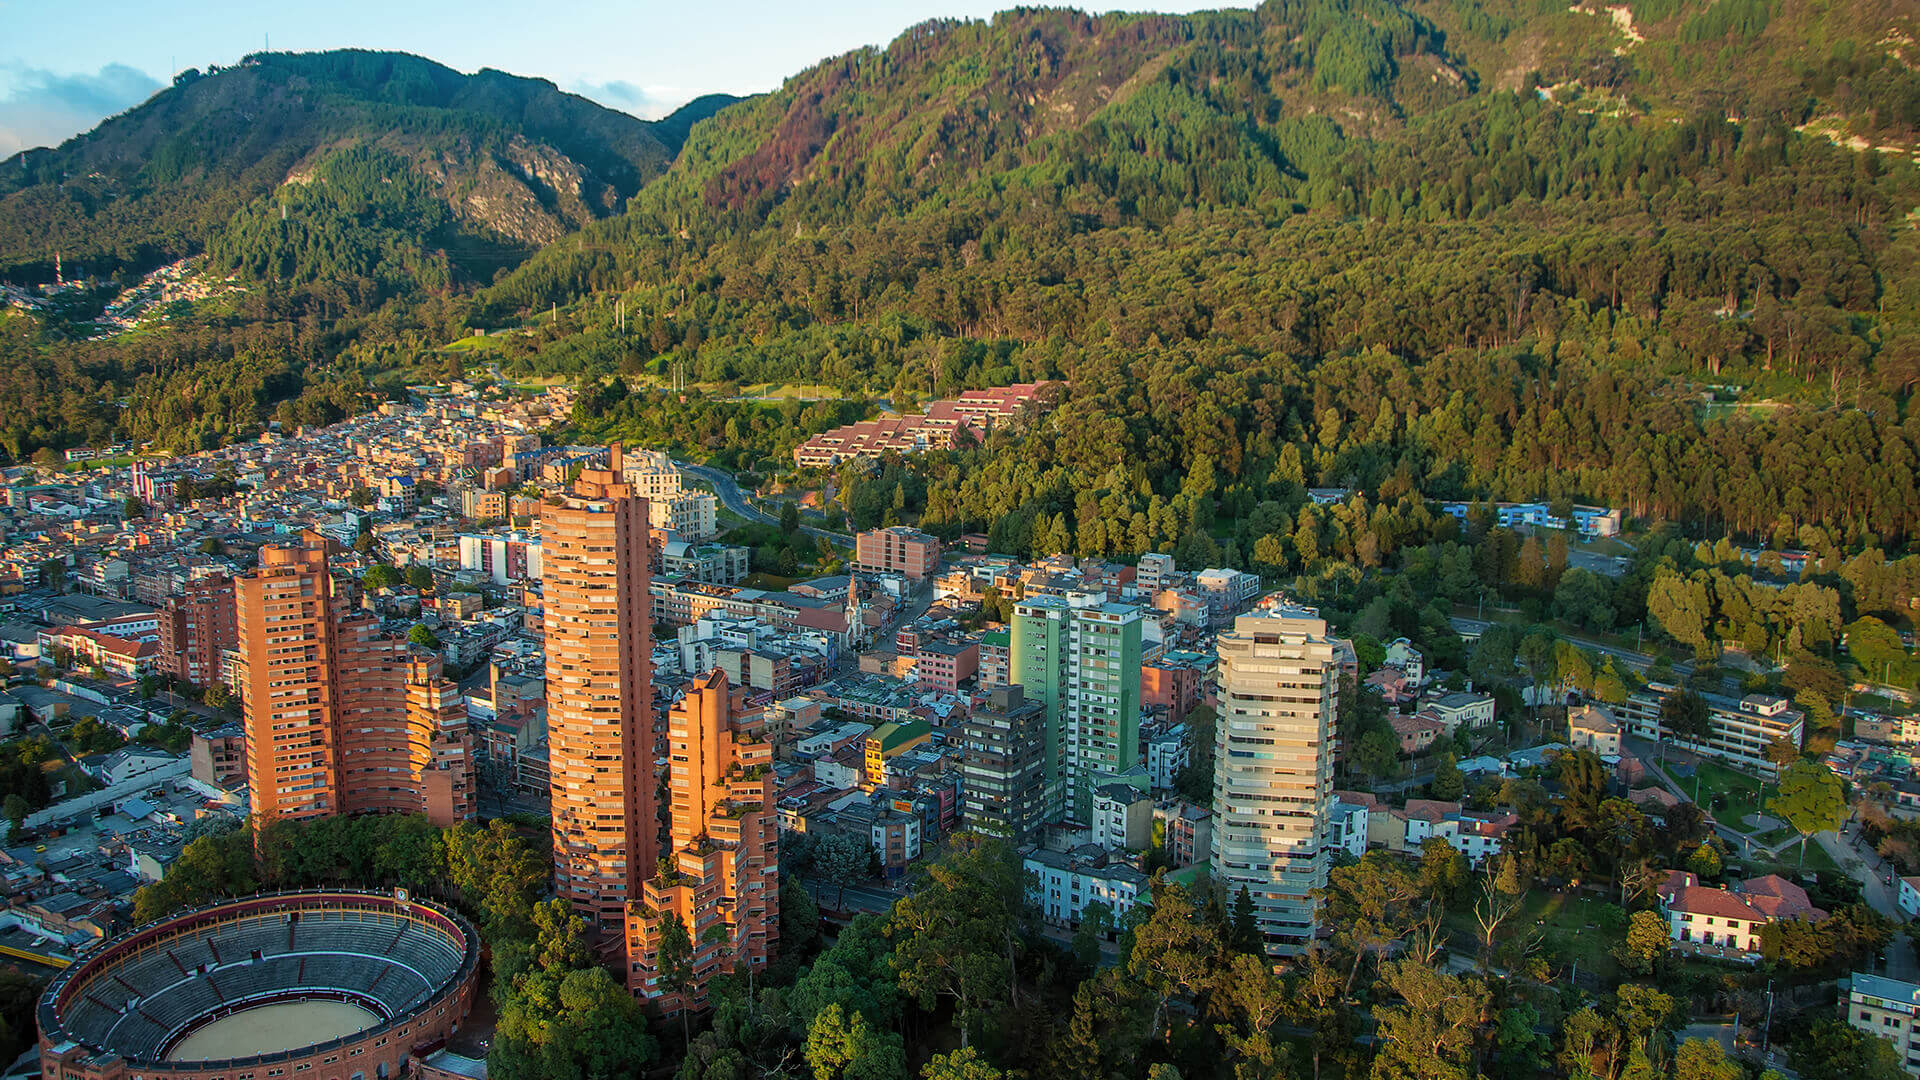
(1462, 710)
(1726, 922)
(1402, 654)
(1347, 826)
(1593, 727)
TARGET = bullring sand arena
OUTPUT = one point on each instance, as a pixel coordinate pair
(284, 1025)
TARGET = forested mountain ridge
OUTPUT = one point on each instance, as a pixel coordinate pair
(1316, 243)
(514, 158)
(357, 197)
(1356, 243)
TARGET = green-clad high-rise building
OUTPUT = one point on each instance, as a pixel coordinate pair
(1080, 658)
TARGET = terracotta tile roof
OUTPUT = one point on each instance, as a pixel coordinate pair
(1431, 809)
(1764, 899)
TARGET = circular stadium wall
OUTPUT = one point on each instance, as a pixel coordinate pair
(325, 985)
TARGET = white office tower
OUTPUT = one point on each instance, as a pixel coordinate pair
(1273, 769)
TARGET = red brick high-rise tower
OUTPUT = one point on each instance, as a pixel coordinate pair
(598, 623)
(720, 876)
(332, 727)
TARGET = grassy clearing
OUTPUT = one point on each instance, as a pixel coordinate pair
(797, 391)
(473, 343)
(1571, 930)
(1728, 793)
(1789, 864)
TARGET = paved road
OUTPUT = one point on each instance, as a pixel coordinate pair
(1639, 661)
(857, 898)
(1742, 842)
(1865, 866)
(1608, 565)
(735, 500)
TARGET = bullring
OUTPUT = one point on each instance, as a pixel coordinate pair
(320, 985)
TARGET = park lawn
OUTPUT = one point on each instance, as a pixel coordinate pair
(797, 391)
(1570, 931)
(1741, 791)
(770, 582)
(1789, 864)
(474, 343)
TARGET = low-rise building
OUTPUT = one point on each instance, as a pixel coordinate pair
(220, 757)
(944, 665)
(889, 741)
(1887, 1008)
(1347, 821)
(1739, 730)
(1593, 727)
(1458, 711)
(1122, 817)
(897, 549)
(1416, 733)
(1064, 883)
(715, 564)
(1726, 922)
(1186, 832)
(1909, 896)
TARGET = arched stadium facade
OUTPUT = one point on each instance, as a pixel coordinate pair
(320, 985)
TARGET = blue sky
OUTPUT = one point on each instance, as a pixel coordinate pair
(64, 67)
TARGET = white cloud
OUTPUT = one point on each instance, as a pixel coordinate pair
(44, 108)
(645, 102)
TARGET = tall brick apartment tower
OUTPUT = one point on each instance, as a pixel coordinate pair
(720, 876)
(282, 613)
(332, 727)
(599, 628)
(196, 627)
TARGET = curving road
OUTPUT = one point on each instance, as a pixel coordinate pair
(1639, 661)
(735, 500)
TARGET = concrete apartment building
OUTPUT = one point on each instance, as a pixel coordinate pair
(1888, 1008)
(340, 716)
(196, 627)
(649, 474)
(690, 515)
(1273, 770)
(722, 881)
(1003, 766)
(1738, 729)
(1103, 703)
(897, 549)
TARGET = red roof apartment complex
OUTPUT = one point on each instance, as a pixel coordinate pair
(945, 425)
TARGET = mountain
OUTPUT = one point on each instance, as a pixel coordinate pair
(1645, 255)
(517, 162)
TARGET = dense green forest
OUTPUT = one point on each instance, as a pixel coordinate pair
(1303, 246)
